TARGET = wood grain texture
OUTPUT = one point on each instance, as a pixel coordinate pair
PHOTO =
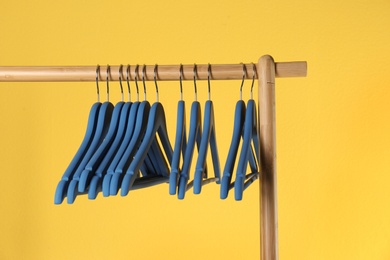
(164, 72)
(268, 185)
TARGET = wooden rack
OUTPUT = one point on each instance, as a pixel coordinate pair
(267, 71)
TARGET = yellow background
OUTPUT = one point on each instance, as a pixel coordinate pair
(333, 130)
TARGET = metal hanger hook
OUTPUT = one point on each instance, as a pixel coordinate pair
(120, 79)
(136, 80)
(108, 81)
(253, 78)
(143, 80)
(97, 82)
(209, 78)
(243, 78)
(195, 77)
(128, 80)
(181, 81)
(155, 80)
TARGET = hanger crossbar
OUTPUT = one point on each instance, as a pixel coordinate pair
(164, 72)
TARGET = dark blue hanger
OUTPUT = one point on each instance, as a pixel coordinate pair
(156, 125)
(208, 137)
(180, 140)
(105, 114)
(243, 180)
(238, 132)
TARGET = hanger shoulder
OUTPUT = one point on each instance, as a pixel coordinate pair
(156, 124)
(68, 174)
(208, 138)
(239, 119)
(250, 133)
(179, 148)
(195, 133)
(129, 133)
(99, 154)
(127, 158)
(104, 118)
(86, 180)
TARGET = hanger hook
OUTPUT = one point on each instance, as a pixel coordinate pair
(108, 71)
(195, 76)
(136, 80)
(253, 78)
(209, 77)
(120, 79)
(155, 80)
(97, 82)
(243, 78)
(181, 81)
(128, 80)
(143, 80)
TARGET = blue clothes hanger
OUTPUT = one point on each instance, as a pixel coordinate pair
(104, 119)
(180, 140)
(91, 178)
(250, 136)
(156, 125)
(62, 186)
(243, 180)
(194, 136)
(238, 132)
(179, 148)
(208, 137)
(239, 117)
(195, 133)
(127, 157)
(118, 115)
(127, 139)
(151, 161)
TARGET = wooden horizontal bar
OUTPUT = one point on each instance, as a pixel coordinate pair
(164, 72)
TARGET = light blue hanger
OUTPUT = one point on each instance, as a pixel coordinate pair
(238, 132)
(62, 186)
(93, 178)
(194, 136)
(243, 180)
(180, 140)
(208, 137)
(104, 119)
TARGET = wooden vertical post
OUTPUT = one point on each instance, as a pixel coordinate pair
(268, 192)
